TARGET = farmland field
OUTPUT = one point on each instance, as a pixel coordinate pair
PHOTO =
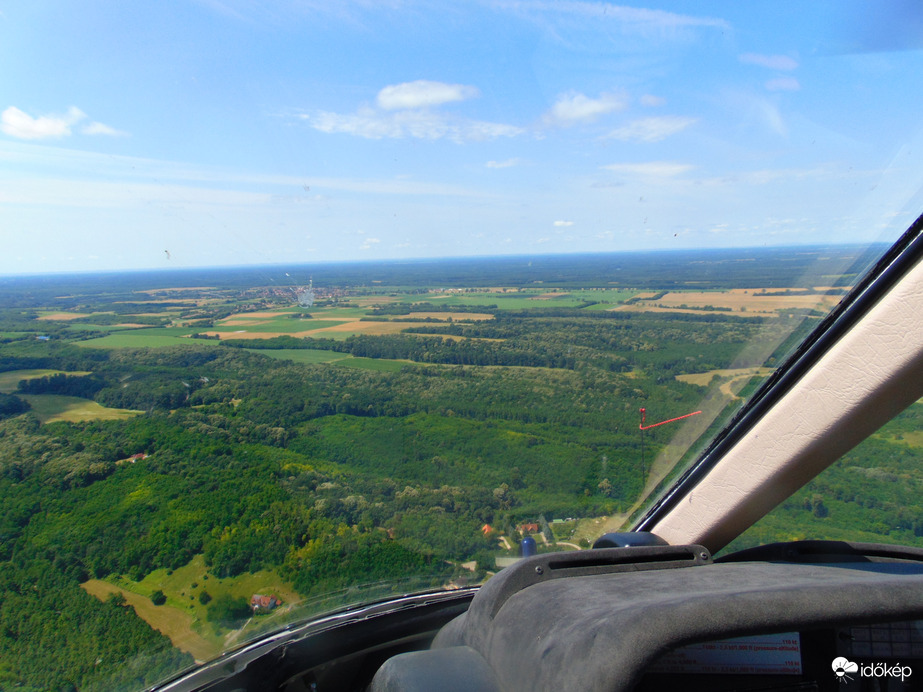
(10, 380)
(360, 450)
(303, 355)
(51, 408)
(739, 301)
(143, 339)
(379, 364)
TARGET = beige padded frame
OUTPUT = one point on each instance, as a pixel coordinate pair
(872, 373)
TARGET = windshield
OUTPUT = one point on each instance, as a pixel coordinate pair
(306, 304)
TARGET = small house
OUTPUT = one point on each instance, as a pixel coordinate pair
(263, 604)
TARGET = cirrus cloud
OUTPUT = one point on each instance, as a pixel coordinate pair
(651, 129)
(509, 163)
(407, 110)
(783, 84)
(651, 169)
(573, 107)
(423, 94)
(417, 124)
(773, 62)
(96, 128)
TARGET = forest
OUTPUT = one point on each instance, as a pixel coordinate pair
(340, 458)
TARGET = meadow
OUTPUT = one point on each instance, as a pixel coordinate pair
(51, 408)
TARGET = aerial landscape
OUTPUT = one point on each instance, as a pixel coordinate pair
(188, 459)
(308, 304)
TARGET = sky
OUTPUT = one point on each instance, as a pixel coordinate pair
(192, 133)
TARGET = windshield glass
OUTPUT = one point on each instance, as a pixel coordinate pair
(305, 304)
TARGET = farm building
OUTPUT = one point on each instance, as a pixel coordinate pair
(263, 604)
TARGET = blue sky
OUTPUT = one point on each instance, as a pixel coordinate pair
(228, 132)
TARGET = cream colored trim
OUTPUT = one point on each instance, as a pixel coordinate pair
(870, 375)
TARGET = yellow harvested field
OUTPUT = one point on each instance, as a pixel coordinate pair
(737, 301)
(738, 378)
(63, 316)
(368, 327)
(173, 622)
(703, 378)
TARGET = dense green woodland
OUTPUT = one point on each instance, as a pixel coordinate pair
(339, 476)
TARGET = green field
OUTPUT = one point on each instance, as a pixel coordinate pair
(81, 327)
(309, 356)
(9, 381)
(379, 364)
(143, 338)
(51, 408)
(521, 300)
(277, 325)
(183, 618)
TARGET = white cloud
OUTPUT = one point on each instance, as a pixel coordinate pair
(628, 17)
(509, 163)
(417, 124)
(652, 101)
(17, 123)
(368, 243)
(773, 62)
(563, 223)
(96, 128)
(422, 94)
(573, 107)
(652, 169)
(783, 84)
(651, 129)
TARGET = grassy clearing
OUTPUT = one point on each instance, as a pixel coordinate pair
(703, 379)
(183, 618)
(732, 380)
(9, 381)
(173, 622)
(51, 408)
(309, 356)
(379, 364)
(912, 438)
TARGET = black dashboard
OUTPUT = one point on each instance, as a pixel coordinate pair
(657, 617)
(813, 615)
